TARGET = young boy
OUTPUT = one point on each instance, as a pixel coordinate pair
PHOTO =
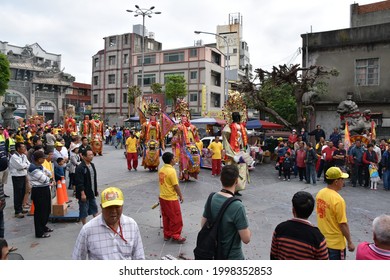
(287, 166)
(59, 169)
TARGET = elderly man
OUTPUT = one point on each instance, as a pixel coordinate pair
(111, 235)
(380, 249)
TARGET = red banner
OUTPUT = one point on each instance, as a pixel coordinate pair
(166, 124)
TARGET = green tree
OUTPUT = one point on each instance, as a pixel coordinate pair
(5, 73)
(156, 88)
(133, 93)
(290, 82)
(175, 87)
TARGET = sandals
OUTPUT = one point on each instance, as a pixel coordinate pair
(45, 235)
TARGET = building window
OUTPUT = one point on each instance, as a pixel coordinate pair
(193, 75)
(111, 79)
(96, 62)
(125, 58)
(95, 98)
(173, 57)
(126, 39)
(193, 52)
(167, 75)
(148, 59)
(95, 80)
(215, 99)
(215, 78)
(234, 50)
(125, 78)
(149, 79)
(112, 41)
(367, 72)
(111, 98)
(193, 97)
(111, 60)
(125, 94)
(215, 58)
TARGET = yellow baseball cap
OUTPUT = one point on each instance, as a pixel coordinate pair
(111, 196)
(334, 173)
(58, 144)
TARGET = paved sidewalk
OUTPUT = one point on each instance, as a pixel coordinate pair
(267, 200)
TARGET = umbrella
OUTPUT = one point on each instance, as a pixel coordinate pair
(208, 121)
(256, 124)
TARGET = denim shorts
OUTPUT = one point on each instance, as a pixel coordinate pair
(87, 208)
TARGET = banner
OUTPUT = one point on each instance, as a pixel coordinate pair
(142, 118)
(373, 131)
(166, 124)
(204, 100)
(347, 139)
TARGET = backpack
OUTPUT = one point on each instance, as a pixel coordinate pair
(3, 158)
(207, 241)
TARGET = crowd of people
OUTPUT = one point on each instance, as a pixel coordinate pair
(367, 161)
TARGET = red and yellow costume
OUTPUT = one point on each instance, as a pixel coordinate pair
(152, 138)
(69, 121)
(85, 127)
(97, 132)
(189, 159)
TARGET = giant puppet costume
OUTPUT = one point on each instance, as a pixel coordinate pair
(97, 132)
(70, 122)
(189, 158)
(235, 137)
(85, 129)
(152, 138)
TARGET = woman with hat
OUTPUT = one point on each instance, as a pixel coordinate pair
(74, 162)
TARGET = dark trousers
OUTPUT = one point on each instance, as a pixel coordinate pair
(1, 224)
(42, 202)
(286, 173)
(357, 174)
(215, 166)
(19, 185)
(337, 254)
(366, 176)
(302, 173)
(327, 165)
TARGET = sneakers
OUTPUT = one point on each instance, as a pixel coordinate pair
(19, 215)
(288, 180)
(284, 179)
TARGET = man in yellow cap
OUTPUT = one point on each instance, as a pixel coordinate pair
(110, 235)
(331, 215)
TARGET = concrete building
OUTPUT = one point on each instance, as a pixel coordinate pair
(79, 95)
(201, 66)
(239, 61)
(112, 71)
(361, 54)
(37, 85)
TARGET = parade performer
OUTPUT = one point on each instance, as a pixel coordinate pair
(235, 138)
(152, 138)
(85, 127)
(70, 122)
(175, 144)
(97, 135)
(189, 159)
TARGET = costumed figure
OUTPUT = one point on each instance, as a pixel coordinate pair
(349, 113)
(175, 144)
(152, 138)
(85, 127)
(189, 159)
(235, 137)
(97, 135)
(70, 122)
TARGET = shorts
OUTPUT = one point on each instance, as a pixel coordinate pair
(87, 208)
(4, 176)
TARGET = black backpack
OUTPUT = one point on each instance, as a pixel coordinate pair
(207, 241)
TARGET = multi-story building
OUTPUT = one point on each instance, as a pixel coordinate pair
(79, 95)
(239, 61)
(201, 66)
(37, 85)
(361, 54)
(112, 71)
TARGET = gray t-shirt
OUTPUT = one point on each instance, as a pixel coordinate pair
(91, 171)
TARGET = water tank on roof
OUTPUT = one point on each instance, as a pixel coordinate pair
(151, 35)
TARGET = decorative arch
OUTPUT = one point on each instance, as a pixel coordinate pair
(46, 101)
(26, 102)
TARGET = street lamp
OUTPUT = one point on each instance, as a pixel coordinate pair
(227, 59)
(143, 12)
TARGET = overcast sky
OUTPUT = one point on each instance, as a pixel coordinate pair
(76, 28)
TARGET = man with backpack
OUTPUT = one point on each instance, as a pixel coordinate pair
(233, 227)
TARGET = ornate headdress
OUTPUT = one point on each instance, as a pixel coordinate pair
(182, 109)
(152, 108)
(96, 116)
(235, 103)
